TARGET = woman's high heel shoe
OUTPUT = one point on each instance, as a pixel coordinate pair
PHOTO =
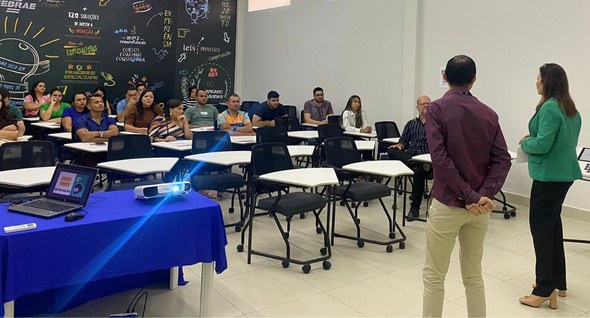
(536, 301)
(560, 293)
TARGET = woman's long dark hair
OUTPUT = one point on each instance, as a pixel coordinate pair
(555, 84)
(358, 116)
(74, 100)
(6, 117)
(139, 106)
(170, 105)
(32, 90)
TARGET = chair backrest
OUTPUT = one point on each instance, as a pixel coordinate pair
(302, 118)
(289, 122)
(334, 119)
(250, 107)
(291, 110)
(211, 141)
(271, 134)
(386, 129)
(328, 131)
(122, 147)
(221, 107)
(341, 151)
(26, 154)
(270, 157)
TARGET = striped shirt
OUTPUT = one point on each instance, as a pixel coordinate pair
(161, 128)
(414, 137)
(189, 102)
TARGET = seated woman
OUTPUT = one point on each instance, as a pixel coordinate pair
(8, 126)
(35, 99)
(109, 108)
(53, 110)
(139, 117)
(353, 117)
(71, 114)
(172, 126)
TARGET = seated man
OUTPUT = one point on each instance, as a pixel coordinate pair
(17, 113)
(125, 105)
(413, 143)
(316, 110)
(233, 119)
(96, 125)
(202, 114)
(267, 112)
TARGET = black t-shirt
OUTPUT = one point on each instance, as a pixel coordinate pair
(266, 113)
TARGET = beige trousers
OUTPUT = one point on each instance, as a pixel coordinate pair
(444, 224)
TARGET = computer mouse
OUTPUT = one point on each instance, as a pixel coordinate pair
(73, 216)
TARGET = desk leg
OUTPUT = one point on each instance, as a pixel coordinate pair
(173, 278)
(206, 286)
(9, 309)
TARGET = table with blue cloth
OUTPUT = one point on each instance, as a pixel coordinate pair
(113, 248)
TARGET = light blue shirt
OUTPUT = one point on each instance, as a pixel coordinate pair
(121, 105)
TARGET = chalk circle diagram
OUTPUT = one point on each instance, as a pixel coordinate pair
(197, 10)
(210, 76)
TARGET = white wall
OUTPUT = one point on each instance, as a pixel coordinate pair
(345, 46)
(509, 40)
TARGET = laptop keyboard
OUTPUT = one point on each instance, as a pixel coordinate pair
(48, 205)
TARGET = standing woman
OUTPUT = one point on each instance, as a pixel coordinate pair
(35, 99)
(353, 117)
(108, 107)
(551, 143)
(172, 126)
(139, 117)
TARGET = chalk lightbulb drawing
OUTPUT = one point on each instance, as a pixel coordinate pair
(20, 59)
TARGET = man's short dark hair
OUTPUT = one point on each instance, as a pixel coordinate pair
(317, 89)
(4, 92)
(272, 94)
(460, 70)
(131, 88)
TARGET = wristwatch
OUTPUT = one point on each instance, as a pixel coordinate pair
(234, 128)
(101, 133)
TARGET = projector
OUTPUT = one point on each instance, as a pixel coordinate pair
(162, 190)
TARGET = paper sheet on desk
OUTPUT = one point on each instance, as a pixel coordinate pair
(521, 156)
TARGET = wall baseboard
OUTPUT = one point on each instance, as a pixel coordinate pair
(568, 211)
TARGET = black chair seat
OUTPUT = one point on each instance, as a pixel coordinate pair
(364, 191)
(219, 182)
(294, 203)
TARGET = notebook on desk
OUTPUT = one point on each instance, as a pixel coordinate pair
(68, 191)
(584, 155)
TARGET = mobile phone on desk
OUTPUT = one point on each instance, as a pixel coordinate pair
(100, 143)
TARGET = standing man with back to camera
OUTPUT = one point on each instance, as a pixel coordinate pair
(470, 162)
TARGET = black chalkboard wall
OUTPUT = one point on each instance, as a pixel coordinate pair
(78, 45)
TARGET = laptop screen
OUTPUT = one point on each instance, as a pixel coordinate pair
(584, 155)
(71, 183)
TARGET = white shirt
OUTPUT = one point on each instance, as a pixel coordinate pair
(349, 121)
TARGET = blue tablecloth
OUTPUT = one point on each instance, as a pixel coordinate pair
(119, 236)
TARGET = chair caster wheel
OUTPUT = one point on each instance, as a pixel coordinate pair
(238, 228)
(507, 216)
(318, 230)
(302, 216)
(285, 264)
(394, 206)
(326, 265)
(240, 248)
(360, 243)
(353, 205)
(365, 204)
(287, 235)
(342, 203)
(513, 213)
(402, 245)
(400, 193)
(425, 196)
(323, 251)
(306, 268)
(357, 221)
(392, 235)
(389, 248)
(231, 210)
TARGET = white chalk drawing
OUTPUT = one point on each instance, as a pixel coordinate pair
(19, 60)
(197, 10)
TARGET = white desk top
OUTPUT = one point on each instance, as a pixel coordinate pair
(303, 134)
(364, 145)
(360, 134)
(112, 116)
(177, 145)
(120, 124)
(423, 158)
(140, 166)
(47, 125)
(27, 177)
(205, 128)
(88, 147)
(393, 140)
(300, 150)
(308, 177)
(512, 155)
(62, 135)
(24, 138)
(243, 140)
(128, 133)
(224, 158)
(31, 119)
(387, 168)
(309, 125)
(585, 173)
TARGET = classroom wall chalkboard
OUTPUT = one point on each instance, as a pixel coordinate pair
(79, 45)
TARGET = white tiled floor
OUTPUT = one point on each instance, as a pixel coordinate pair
(365, 282)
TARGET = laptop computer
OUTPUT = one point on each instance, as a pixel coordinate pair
(68, 191)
